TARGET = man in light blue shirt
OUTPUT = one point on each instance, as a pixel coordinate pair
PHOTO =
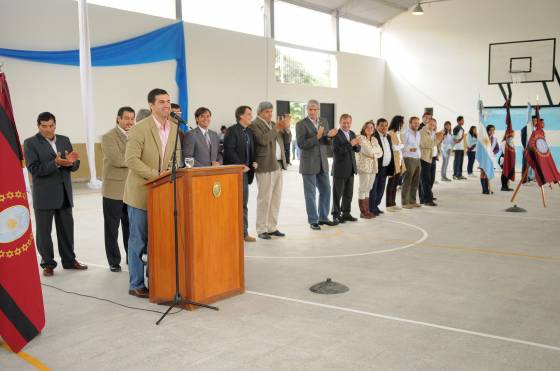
(411, 156)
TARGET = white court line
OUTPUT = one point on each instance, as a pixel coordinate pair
(505, 215)
(399, 319)
(422, 239)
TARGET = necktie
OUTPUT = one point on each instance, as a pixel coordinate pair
(246, 141)
(207, 138)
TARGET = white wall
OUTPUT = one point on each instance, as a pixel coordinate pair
(440, 59)
(224, 69)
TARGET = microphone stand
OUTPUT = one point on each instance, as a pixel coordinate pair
(178, 300)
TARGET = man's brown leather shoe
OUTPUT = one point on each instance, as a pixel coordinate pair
(48, 271)
(76, 265)
(140, 293)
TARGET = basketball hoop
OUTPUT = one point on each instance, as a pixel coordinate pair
(518, 77)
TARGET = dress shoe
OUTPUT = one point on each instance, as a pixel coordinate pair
(380, 212)
(277, 233)
(315, 226)
(446, 179)
(349, 218)
(115, 268)
(396, 208)
(416, 205)
(506, 189)
(48, 271)
(76, 265)
(249, 238)
(328, 222)
(455, 177)
(265, 236)
(431, 203)
(339, 220)
(140, 293)
(462, 178)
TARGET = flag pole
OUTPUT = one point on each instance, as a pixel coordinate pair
(543, 196)
(519, 185)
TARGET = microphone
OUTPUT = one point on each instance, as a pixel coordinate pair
(178, 118)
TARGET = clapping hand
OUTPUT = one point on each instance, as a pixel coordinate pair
(320, 132)
(59, 161)
(354, 142)
(332, 133)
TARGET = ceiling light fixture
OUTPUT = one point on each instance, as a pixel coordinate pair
(418, 10)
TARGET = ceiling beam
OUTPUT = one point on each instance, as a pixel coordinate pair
(390, 4)
(343, 14)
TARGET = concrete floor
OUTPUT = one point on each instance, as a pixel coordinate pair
(464, 286)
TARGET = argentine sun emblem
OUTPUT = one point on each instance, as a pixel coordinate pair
(14, 222)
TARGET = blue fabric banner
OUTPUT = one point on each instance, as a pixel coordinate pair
(160, 45)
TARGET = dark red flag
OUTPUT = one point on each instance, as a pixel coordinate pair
(539, 157)
(22, 316)
(508, 168)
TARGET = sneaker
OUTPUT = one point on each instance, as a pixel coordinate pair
(249, 238)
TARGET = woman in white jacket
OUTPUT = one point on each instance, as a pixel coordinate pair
(366, 161)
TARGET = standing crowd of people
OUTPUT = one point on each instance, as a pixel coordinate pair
(384, 155)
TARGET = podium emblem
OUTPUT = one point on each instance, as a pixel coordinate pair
(217, 189)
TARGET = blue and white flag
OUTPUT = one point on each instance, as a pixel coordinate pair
(484, 154)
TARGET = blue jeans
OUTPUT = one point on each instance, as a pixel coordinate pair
(245, 201)
(310, 184)
(376, 193)
(137, 245)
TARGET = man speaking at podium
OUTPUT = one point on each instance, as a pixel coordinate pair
(149, 150)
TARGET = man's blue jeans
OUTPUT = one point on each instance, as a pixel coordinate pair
(137, 245)
(310, 184)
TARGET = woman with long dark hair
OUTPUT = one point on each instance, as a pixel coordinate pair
(471, 149)
(366, 161)
(395, 133)
(446, 149)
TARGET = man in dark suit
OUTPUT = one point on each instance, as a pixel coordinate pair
(313, 141)
(50, 159)
(202, 144)
(239, 149)
(385, 166)
(345, 145)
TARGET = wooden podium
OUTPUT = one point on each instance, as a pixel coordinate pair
(210, 221)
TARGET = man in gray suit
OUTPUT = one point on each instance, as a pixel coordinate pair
(202, 144)
(314, 166)
(50, 159)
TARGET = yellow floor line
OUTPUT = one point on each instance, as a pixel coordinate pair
(483, 251)
(27, 358)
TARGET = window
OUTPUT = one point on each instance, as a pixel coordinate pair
(297, 66)
(296, 25)
(245, 16)
(359, 38)
(164, 8)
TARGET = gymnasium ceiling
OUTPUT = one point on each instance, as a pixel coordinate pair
(374, 12)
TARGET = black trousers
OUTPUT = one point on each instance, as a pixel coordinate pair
(64, 223)
(504, 180)
(114, 213)
(376, 193)
(470, 163)
(391, 192)
(426, 176)
(458, 163)
(343, 189)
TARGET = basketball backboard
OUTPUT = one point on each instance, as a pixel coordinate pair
(521, 61)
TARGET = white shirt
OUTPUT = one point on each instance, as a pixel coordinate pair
(387, 153)
(411, 140)
(278, 149)
(434, 150)
(459, 146)
(52, 143)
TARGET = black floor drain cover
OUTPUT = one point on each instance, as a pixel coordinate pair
(329, 287)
